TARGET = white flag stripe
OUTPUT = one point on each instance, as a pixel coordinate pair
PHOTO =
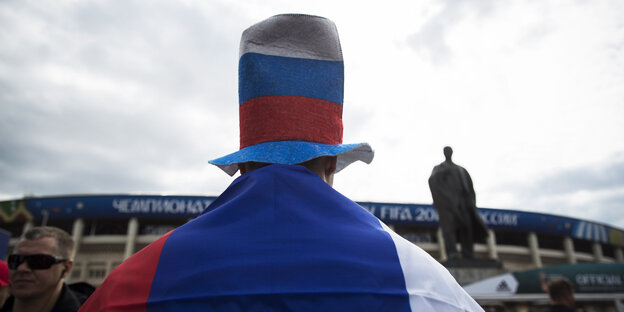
(430, 285)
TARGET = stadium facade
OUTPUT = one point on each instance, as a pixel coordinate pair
(110, 228)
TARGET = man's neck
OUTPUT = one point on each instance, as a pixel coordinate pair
(43, 303)
(565, 303)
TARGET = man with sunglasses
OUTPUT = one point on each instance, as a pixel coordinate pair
(37, 269)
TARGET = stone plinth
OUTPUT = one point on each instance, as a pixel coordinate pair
(466, 271)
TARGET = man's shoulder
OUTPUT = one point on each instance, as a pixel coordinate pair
(8, 304)
(68, 301)
(559, 308)
(82, 290)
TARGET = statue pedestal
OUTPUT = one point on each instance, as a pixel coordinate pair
(466, 271)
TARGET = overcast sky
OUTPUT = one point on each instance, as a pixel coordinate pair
(136, 96)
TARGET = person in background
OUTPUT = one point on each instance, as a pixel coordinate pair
(38, 266)
(561, 294)
(280, 238)
(4, 282)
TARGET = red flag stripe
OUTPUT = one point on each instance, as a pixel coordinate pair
(284, 117)
(128, 287)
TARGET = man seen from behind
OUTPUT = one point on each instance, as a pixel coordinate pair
(280, 238)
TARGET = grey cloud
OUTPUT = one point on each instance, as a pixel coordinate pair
(172, 47)
(608, 209)
(115, 96)
(592, 192)
(602, 207)
(430, 39)
(537, 32)
(600, 177)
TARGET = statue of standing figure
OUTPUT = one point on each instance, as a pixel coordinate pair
(455, 201)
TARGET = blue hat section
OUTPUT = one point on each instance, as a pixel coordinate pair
(295, 152)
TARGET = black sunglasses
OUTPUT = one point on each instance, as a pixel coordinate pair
(35, 262)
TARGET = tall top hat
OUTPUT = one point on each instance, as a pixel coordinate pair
(290, 88)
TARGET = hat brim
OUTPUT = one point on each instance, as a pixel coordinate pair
(295, 152)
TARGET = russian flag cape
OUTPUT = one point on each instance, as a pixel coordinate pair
(281, 239)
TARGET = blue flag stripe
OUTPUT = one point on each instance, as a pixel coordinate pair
(266, 75)
(280, 238)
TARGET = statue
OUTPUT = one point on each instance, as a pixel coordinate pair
(454, 199)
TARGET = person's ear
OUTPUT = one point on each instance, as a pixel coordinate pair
(243, 168)
(329, 170)
(330, 165)
(67, 268)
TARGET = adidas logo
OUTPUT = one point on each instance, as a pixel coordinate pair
(503, 287)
